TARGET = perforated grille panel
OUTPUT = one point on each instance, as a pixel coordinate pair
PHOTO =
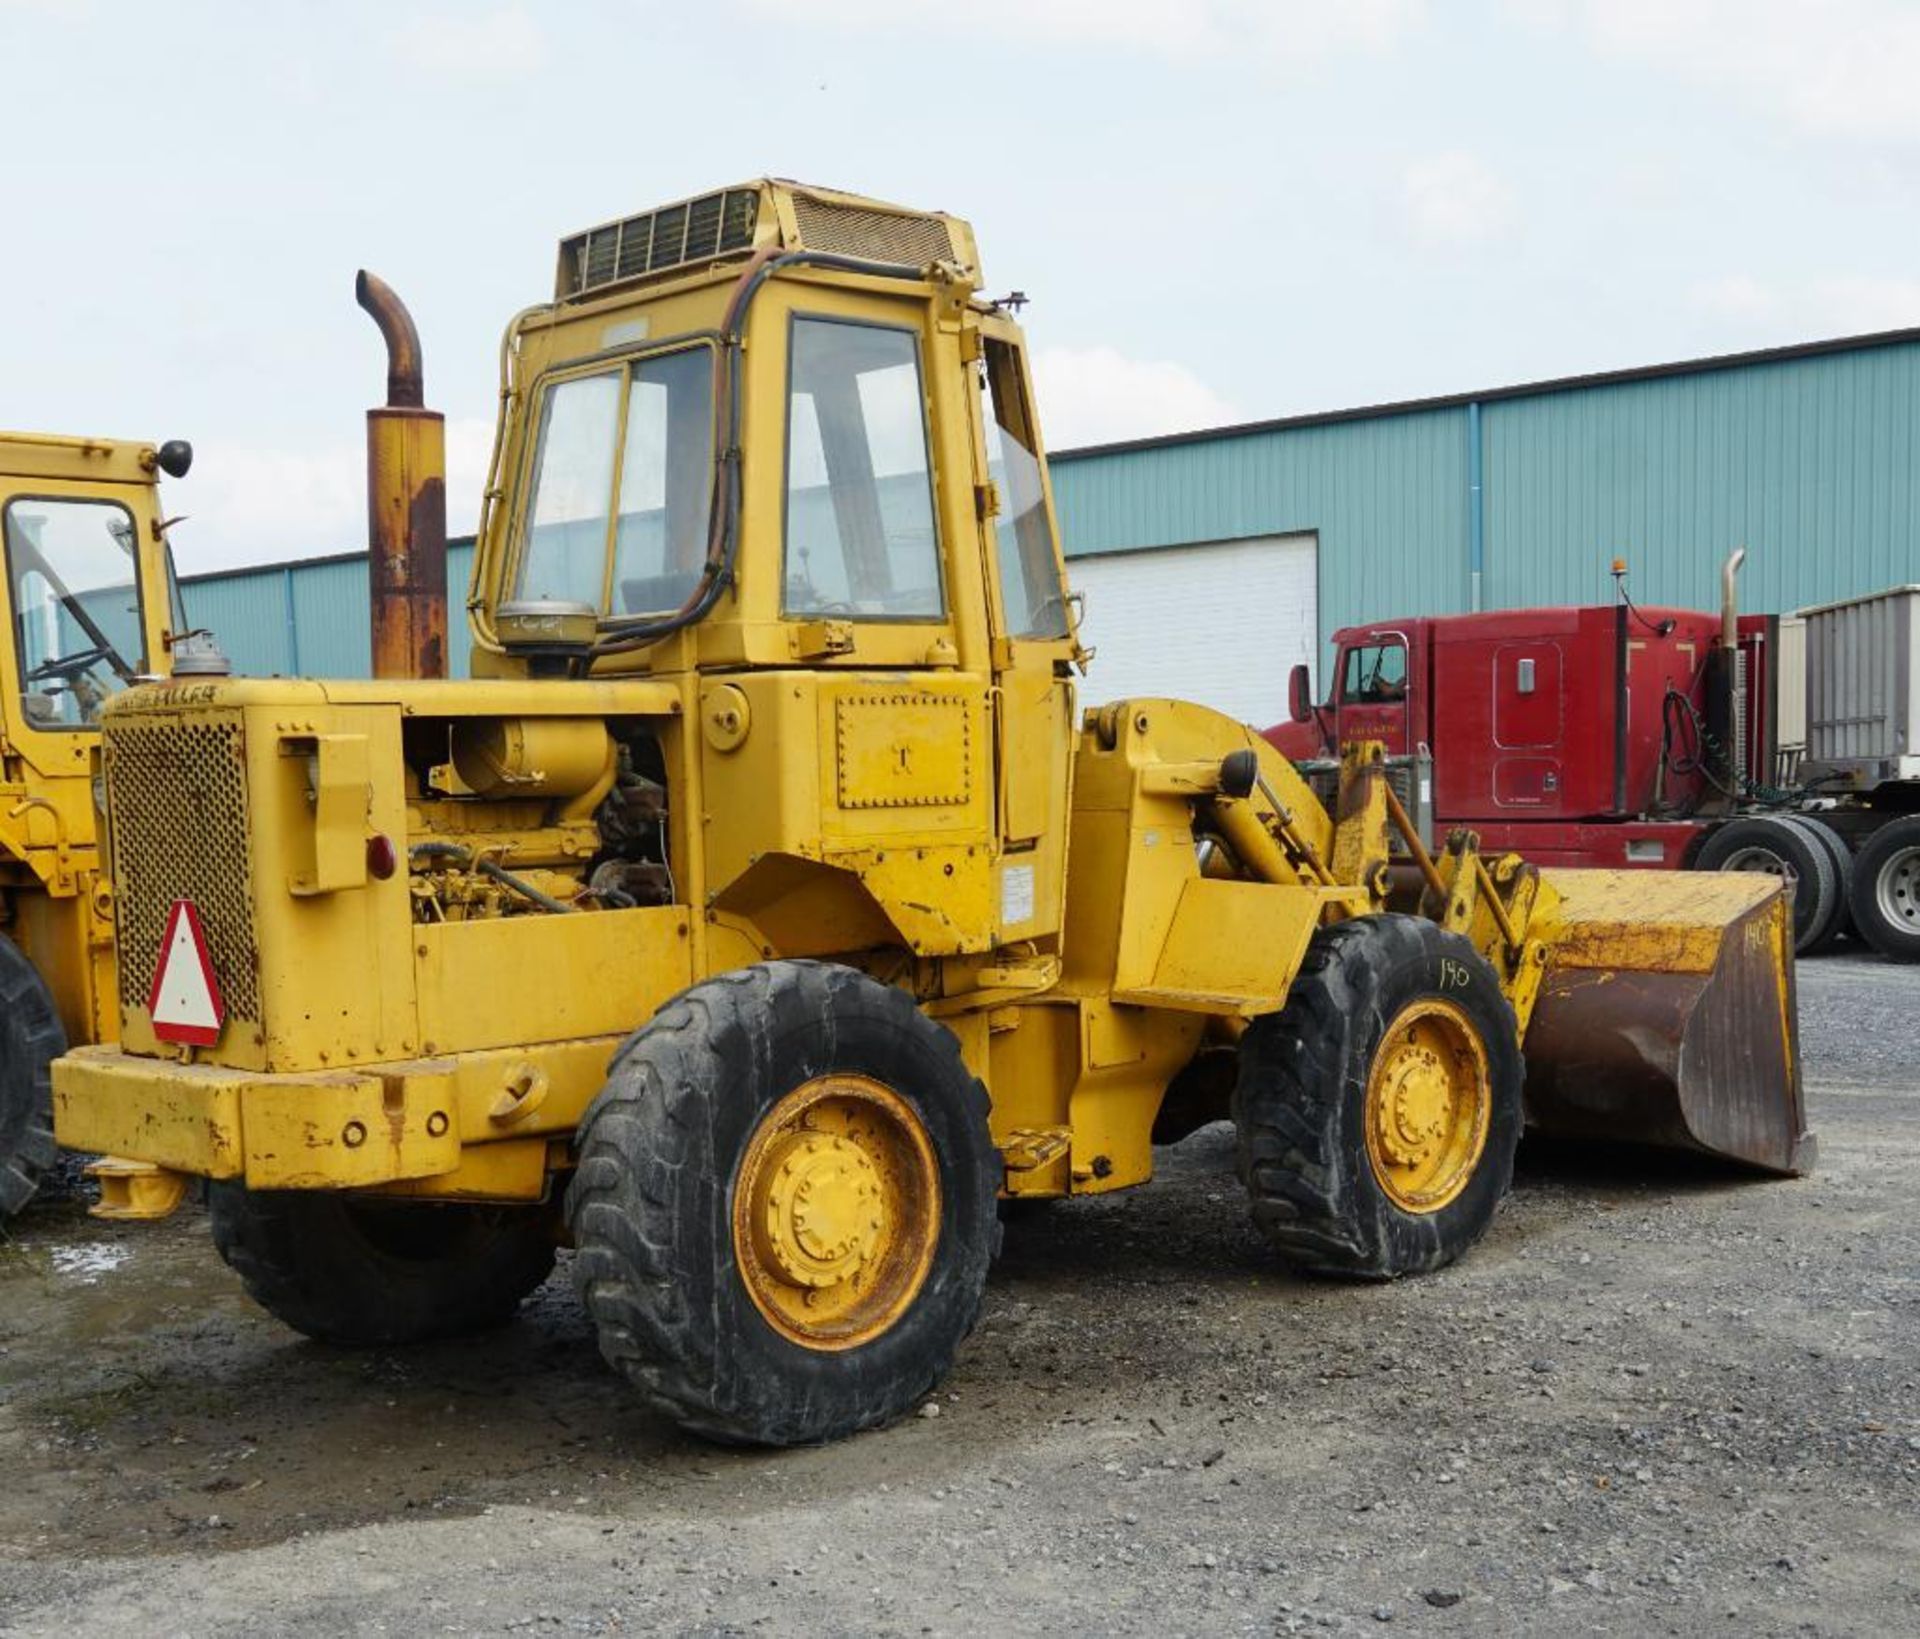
(177, 823)
(875, 236)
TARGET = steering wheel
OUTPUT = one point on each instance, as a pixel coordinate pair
(66, 667)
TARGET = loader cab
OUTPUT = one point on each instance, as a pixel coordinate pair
(814, 444)
(772, 444)
(90, 599)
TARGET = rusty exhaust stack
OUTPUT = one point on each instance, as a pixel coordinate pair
(406, 502)
(1730, 598)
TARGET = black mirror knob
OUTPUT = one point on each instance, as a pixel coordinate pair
(175, 457)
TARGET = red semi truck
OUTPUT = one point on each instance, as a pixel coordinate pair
(1667, 738)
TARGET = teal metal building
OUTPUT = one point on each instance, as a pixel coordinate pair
(1241, 548)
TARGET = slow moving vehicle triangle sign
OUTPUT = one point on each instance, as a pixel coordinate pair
(185, 1002)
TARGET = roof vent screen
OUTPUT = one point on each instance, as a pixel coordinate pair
(719, 224)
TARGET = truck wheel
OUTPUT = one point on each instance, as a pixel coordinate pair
(1886, 889)
(1380, 1108)
(1841, 922)
(357, 1269)
(1777, 846)
(30, 1040)
(784, 1207)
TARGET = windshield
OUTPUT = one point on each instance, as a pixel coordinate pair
(617, 511)
(860, 539)
(76, 606)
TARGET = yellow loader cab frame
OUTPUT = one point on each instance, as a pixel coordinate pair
(90, 607)
(766, 909)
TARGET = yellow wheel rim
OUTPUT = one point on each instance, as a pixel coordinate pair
(1429, 1104)
(836, 1212)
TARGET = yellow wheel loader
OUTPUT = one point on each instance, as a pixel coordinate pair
(766, 910)
(89, 607)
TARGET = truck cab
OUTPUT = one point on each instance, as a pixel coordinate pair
(1570, 733)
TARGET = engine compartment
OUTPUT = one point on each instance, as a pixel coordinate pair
(534, 816)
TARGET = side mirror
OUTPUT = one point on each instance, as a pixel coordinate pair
(174, 457)
(1300, 694)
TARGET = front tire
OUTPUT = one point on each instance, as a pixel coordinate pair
(1379, 1110)
(784, 1207)
(30, 1040)
(361, 1270)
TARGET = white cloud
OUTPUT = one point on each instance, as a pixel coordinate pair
(1862, 303)
(1738, 297)
(1097, 395)
(1835, 305)
(1284, 30)
(254, 504)
(1837, 67)
(1453, 199)
(487, 44)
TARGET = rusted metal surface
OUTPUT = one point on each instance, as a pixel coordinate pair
(1696, 1060)
(406, 503)
(406, 379)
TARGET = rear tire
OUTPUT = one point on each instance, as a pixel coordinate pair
(1841, 922)
(1886, 889)
(1776, 846)
(359, 1270)
(1358, 1162)
(31, 1038)
(784, 1207)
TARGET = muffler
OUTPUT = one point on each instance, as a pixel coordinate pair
(406, 502)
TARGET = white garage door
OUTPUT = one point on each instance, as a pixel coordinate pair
(1221, 622)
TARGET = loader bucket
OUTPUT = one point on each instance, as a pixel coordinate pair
(1667, 1016)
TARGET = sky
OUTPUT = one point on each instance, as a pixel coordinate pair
(1221, 210)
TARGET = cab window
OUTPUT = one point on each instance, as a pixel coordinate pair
(1375, 674)
(622, 484)
(76, 606)
(860, 539)
(1031, 595)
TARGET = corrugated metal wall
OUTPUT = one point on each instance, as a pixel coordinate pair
(1812, 463)
(1387, 497)
(310, 619)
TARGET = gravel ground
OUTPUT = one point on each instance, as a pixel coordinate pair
(1654, 1400)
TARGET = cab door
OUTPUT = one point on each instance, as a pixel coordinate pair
(1374, 688)
(1033, 641)
(78, 625)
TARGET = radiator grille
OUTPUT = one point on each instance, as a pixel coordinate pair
(1411, 779)
(874, 236)
(696, 230)
(177, 817)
